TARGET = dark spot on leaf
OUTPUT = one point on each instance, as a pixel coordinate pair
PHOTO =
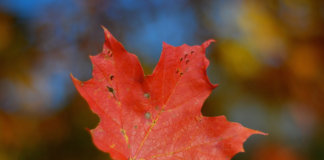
(185, 56)
(147, 95)
(111, 77)
(192, 52)
(122, 131)
(187, 61)
(135, 126)
(181, 73)
(110, 53)
(181, 59)
(111, 90)
(177, 71)
(147, 115)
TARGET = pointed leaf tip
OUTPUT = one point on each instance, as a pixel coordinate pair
(111, 42)
(207, 43)
(262, 133)
(72, 77)
(107, 33)
(75, 81)
(164, 44)
(215, 85)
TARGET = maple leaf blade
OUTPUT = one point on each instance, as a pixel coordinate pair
(148, 116)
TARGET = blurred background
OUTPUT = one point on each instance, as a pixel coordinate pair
(268, 61)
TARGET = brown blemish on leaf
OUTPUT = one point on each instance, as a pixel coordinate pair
(123, 132)
(111, 77)
(110, 54)
(147, 115)
(111, 90)
(147, 95)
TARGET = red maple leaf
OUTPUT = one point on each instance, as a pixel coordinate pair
(157, 116)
